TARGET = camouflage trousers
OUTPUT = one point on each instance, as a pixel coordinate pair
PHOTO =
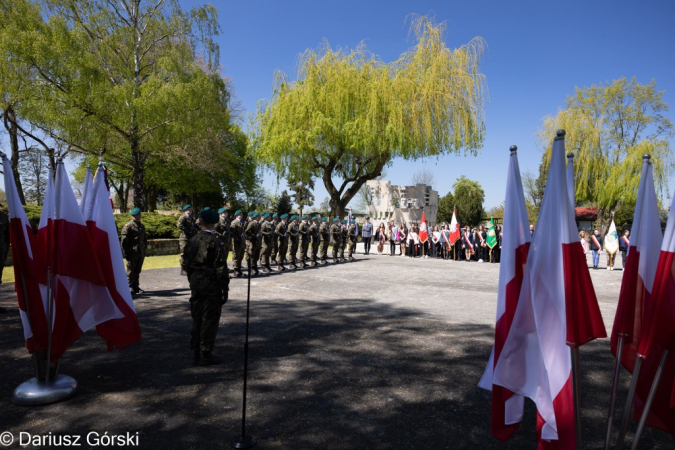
(336, 249)
(323, 250)
(343, 245)
(265, 253)
(181, 246)
(315, 250)
(134, 266)
(293, 251)
(205, 308)
(304, 246)
(237, 256)
(350, 248)
(282, 246)
(252, 254)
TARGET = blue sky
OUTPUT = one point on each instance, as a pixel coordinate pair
(538, 52)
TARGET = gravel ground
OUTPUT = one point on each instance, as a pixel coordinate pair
(380, 353)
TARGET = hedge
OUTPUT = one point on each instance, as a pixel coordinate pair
(157, 226)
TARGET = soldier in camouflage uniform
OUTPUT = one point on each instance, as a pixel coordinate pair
(282, 241)
(134, 243)
(275, 243)
(351, 239)
(251, 235)
(314, 234)
(294, 237)
(237, 232)
(303, 234)
(206, 267)
(324, 234)
(343, 240)
(188, 228)
(223, 230)
(335, 238)
(258, 242)
(4, 244)
(266, 232)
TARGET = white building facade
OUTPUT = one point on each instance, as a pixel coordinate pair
(402, 203)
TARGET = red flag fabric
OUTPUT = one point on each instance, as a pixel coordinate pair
(29, 268)
(81, 298)
(455, 231)
(122, 332)
(507, 407)
(424, 233)
(557, 307)
(638, 275)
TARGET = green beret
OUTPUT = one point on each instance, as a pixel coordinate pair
(237, 212)
(135, 211)
(222, 210)
(283, 216)
(305, 216)
(274, 216)
(344, 220)
(324, 219)
(186, 207)
(294, 216)
(253, 214)
(315, 218)
(266, 215)
(208, 215)
(336, 219)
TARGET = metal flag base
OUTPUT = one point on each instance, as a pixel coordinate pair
(243, 442)
(34, 392)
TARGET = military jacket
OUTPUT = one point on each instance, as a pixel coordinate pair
(293, 232)
(187, 226)
(134, 241)
(323, 231)
(351, 232)
(280, 231)
(266, 231)
(251, 232)
(236, 231)
(206, 263)
(223, 230)
(335, 232)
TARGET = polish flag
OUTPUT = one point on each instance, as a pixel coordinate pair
(424, 233)
(122, 332)
(81, 298)
(659, 335)
(455, 232)
(507, 407)
(557, 307)
(638, 275)
(29, 267)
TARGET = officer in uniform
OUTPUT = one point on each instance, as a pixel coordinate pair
(293, 235)
(343, 240)
(134, 244)
(266, 232)
(188, 228)
(303, 233)
(237, 232)
(335, 238)
(351, 240)
(324, 235)
(258, 243)
(4, 244)
(275, 244)
(223, 230)
(251, 236)
(206, 267)
(314, 234)
(367, 235)
(282, 241)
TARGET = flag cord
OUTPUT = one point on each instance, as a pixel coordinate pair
(577, 396)
(612, 400)
(650, 400)
(625, 418)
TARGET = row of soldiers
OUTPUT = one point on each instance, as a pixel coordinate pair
(271, 238)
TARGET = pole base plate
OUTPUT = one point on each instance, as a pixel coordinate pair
(35, 393)
(243, 442)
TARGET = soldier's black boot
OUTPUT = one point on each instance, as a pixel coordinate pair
(281, 267)
(304, 264)
(208, 359)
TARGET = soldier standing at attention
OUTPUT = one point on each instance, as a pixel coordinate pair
(293, 237)
(351, 239)
(251, 235)
(343, 240)
(260, 218)
(266, 232)
(314, 234)
(188, 228)
(335, 238)
(275, 243)
(282, 241)
(223, 230)
(324, 233)
(206, 267)
(134, 244)
(303, 232)
(4, 244)
(237, 232)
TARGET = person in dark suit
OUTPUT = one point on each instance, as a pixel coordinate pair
(624, 243)
(596, 247)
(468, 243)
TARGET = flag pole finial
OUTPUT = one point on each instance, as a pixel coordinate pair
(647, 156)
(570, 155)
(513, 149)
(560, 134)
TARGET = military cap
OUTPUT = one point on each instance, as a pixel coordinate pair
(336, 219)
(324, 219)
(253, 214)
(274, 216)
(344, 220)
(367, 217)
(294, 216)
(283, 216)
(304, 216)
(208, 215)
(222, 210)
(237, 212)
(187, 207)
(135, 211)
(315, 218)
(266, 215)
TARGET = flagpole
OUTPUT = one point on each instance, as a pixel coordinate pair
(244, 441)
(577, 396)
(650, 400)
(615, 385)
(625, 418)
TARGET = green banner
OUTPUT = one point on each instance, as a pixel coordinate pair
(491, 235)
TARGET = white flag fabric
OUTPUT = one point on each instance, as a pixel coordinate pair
(570, 182)
(612, 240)
(507, 407)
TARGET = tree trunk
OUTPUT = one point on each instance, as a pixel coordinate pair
(138, 176)
(152, 198)
(12, 129)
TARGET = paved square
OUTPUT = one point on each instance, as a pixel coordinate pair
(383, 352)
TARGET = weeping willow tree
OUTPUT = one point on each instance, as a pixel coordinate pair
(608, 129)
(349, 114)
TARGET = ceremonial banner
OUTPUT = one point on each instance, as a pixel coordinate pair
(491, 235)
(557, 307)
(455, 232)
(424, 233)
(507, 407)
(612, 240)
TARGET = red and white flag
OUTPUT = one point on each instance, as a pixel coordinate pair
(424, 233)
(122, 332)
(557, 307)
(507, 407)
(29, 268)
(81, 296)
(658, 335)
(640, 270)
(455, 232)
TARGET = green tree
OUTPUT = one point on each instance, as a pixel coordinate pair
(284, 204)
(446, 206)
(348, 114)
(469, 197)
(302, 191)
(608, 128)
